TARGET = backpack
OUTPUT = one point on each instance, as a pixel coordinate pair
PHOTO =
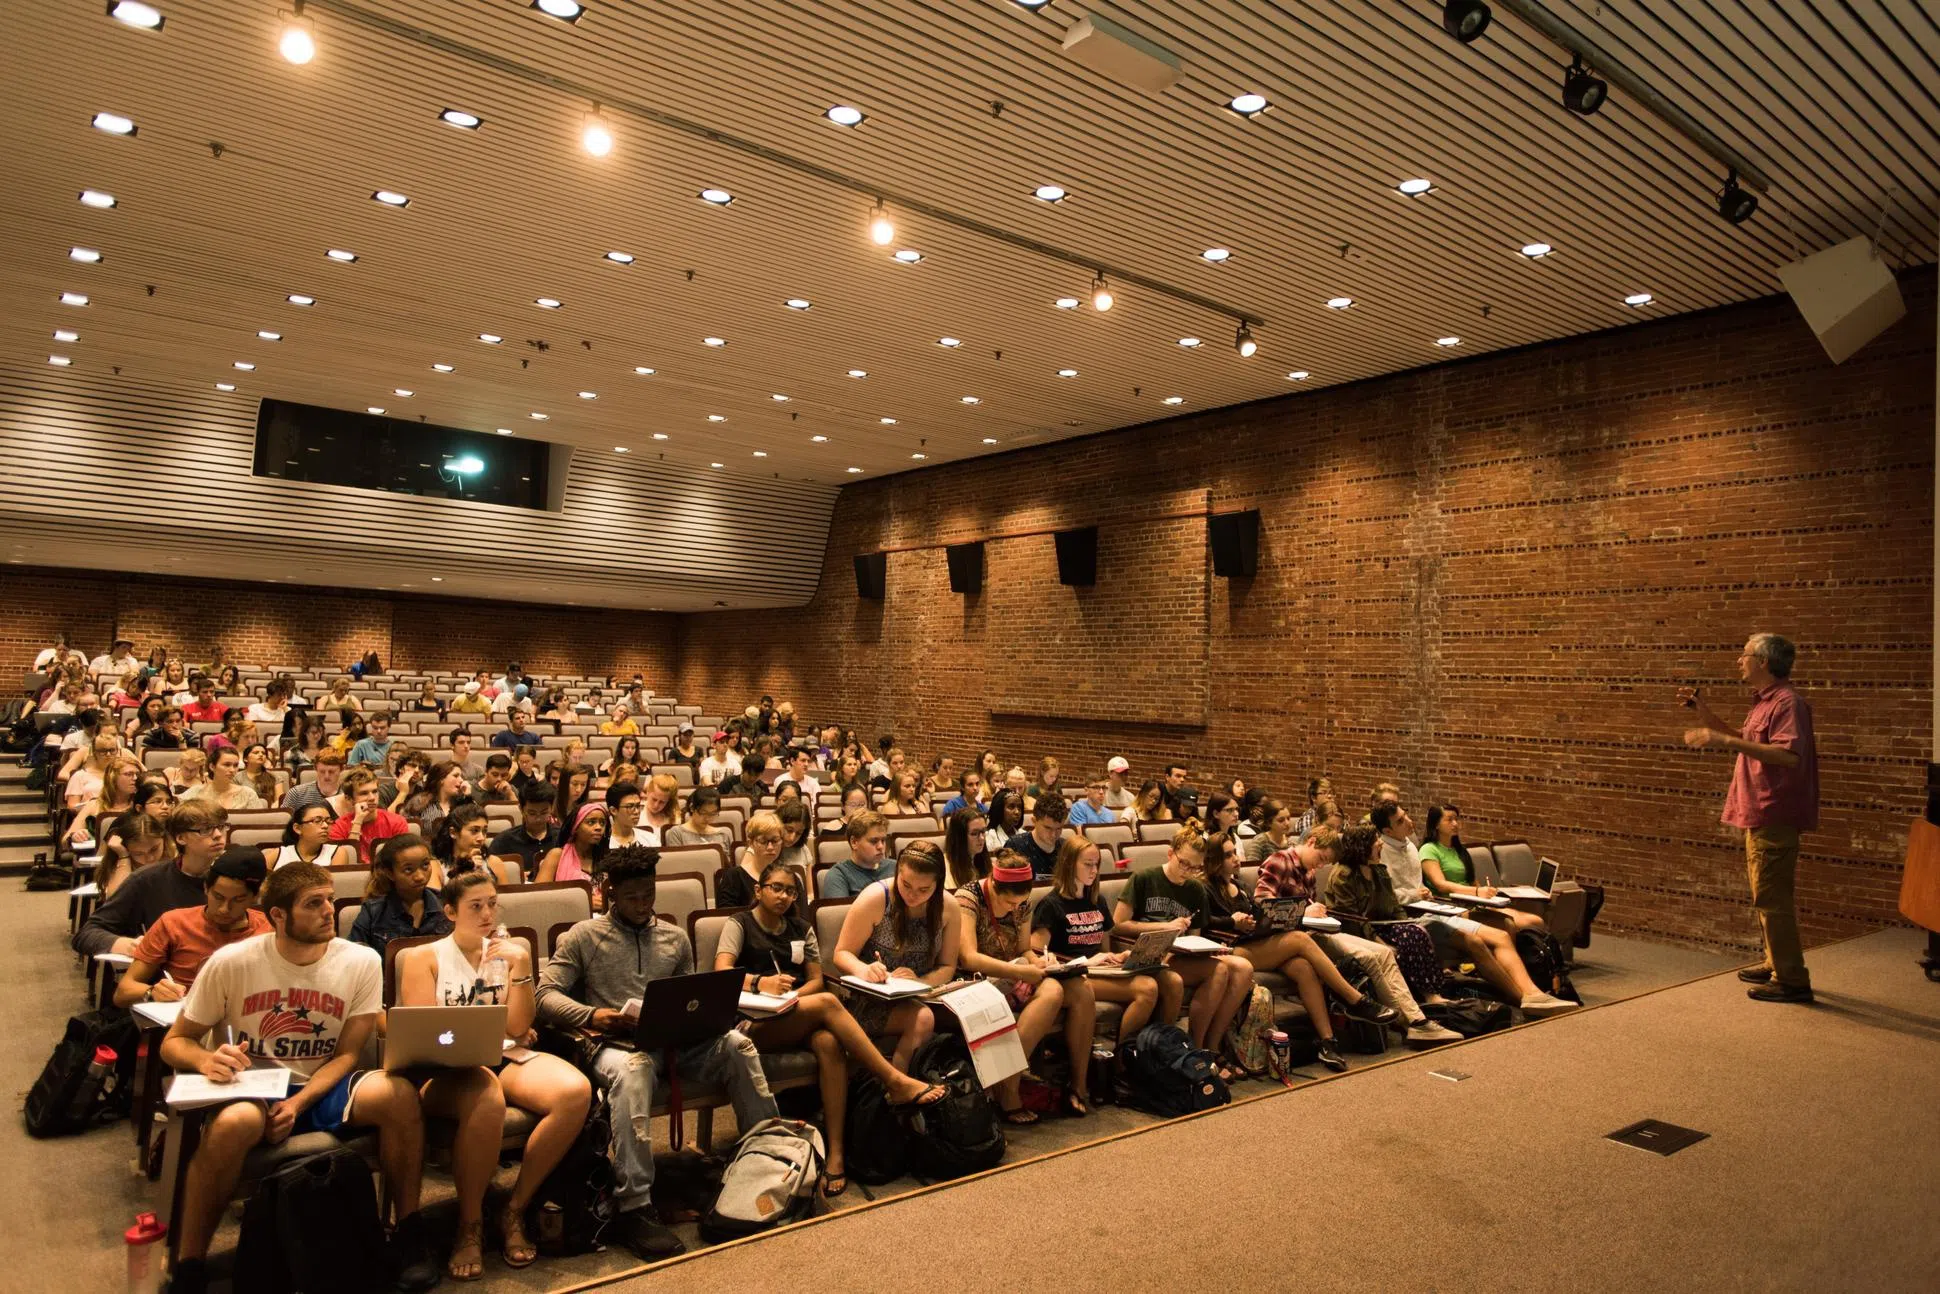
(1247, 1040)
(1169, 1076)
(1469, 1016)
(875, 1143)
(1542, 956)
(959, 1133)
(573, 1206)
(63, 1081)
(770, 1181)
(43, 876)
(312, 1225)
(1044, 1086)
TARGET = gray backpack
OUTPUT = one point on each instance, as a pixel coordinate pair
(770, 1182)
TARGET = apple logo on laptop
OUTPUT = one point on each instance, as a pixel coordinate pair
(446, 1038)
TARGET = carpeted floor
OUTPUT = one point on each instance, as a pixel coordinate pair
(67, 1227)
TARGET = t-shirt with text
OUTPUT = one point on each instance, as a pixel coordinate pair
(284, 1013)
(1153, 896)
(1079, 926)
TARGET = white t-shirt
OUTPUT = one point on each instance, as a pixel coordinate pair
(261, 713)
(810, 787)
(291, 1015)
(47, 655)
(1403, 862)
(713, 770)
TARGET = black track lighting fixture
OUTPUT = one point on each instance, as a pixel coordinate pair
(1734, 203)
(1583, 94)
(1466, 20)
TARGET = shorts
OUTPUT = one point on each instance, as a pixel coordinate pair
(328, 1115)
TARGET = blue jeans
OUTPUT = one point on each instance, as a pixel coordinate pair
(627, 1077)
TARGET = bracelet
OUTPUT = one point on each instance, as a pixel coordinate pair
(523, 979)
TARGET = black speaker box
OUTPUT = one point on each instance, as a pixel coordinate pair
(966, 567)
(871, 574)
(1235, 540)
(1077, 555)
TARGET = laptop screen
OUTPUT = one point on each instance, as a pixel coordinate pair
(1546, 875)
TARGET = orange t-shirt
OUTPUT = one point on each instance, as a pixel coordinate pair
(182, 939)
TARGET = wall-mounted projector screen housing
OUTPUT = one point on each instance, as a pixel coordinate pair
(304, 442)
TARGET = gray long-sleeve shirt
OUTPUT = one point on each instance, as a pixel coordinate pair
(603, 961)
(137, 905)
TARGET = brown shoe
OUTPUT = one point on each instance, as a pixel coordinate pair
(1776, 992)
(1756, 974)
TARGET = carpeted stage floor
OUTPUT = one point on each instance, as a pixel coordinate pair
(1822, 1171)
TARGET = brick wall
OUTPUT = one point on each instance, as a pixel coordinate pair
(1482, 580)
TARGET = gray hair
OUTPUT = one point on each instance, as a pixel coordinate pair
(1777, 653)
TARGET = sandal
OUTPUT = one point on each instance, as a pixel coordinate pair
(1020, 1117)
(833, 1184)
(1075, 1105)
(470, 1236)
(514, 1247)
(929, 1096)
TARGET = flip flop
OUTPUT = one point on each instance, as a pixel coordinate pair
(829, 1188)
(928, 1096)
(1020, 1117)
(1076, 1106)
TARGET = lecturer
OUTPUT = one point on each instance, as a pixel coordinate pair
(1774, 796)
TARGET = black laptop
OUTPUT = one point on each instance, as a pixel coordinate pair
(681, 1010)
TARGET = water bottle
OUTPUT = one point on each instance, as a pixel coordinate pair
(98, 1079)
(496, 974)
(1104, 1069)
(145, 1253)
(1281, 1046)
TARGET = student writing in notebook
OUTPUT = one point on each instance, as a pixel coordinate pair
(897, 929)
(1074, 920)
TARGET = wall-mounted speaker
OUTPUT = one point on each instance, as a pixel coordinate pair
(1847, 295)
(966, 567)
(1235, 538)
(871, 575)
(1077, 556)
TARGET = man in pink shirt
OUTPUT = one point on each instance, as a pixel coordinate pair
(1774, 796)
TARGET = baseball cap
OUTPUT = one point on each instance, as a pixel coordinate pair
(471, 688)
(720, 734)
(1118, 764)
(686, 726)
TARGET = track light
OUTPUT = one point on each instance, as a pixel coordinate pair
(1243, 342)
(1583, 94)
(297, 42)
(1101, 297)
(1734, 203)
(595, 136)
(1465, 20)
(882, 230)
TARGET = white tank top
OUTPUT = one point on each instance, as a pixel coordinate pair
(288, 856)
(462, 984)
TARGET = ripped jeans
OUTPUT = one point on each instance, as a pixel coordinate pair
(628, 1078)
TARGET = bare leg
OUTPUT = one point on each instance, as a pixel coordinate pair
(1496, 961)
(1080, 1023)
(1239, 987)
(912, 1024)
(390, 1104)
(561, 1096)
(472, 1098)
(1307, 985)
(1139, 995)
(826, 1011)
(214, 1171)
(1274, 953)
(1208, 977)
(832, 1071)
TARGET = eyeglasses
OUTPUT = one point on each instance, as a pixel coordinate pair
(790, 890)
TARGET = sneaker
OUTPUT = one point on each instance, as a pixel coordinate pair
(1373, 1012)
(1330, 1056)
(1776, 992)
(1426, 1033)
(417, 1267)
(1756, 974)
(643, 1233)
(1538, 1005)
(191, 1276)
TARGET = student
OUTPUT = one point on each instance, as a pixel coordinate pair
(720, 764)
(307, 840)
(1293, 953)
(970, 797)
(776, 950)
(897, 929)
(205, 708)
(620, 724)
(199, 830)
(572, 789)
(1173, 896)
(734, 887)
(1290, 873)
(697, 828)
(459, 846)
(905, 800)
(525, 769)
(994, 943)
(223, 786)
(747, 781)
(135, 841)
(1181, 799)
(114, 796)
(855, 800)
(1090, 809)
(171, 952)
(659, 806)
(478, 965)
(1445, 871)
(965, 847)
(578, 858)
(625, 751)
(868, 861)
(884, 772)
(365, 824)
(798, 774)
(1148, 805)
(170, 733)
(400, 895)
(324, 789)
(375, 748)
(1318, 789)
(1072, 921)
(942, 781)
(1039, 845)
(1222, 813)
(514, 734)
(597, 967)
(623, 801)
(470, 701)
(274, 708)
(684, 751)
(1276, 831)
(797, 848)
(1359, 889)
(535, 837)
(84, 781)
(427, 702)
(1006, 819)
(251, 991)
(495, 783)
(444, 790)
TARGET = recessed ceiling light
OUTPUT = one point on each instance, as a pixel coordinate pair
(113, 123)
(1175, 399)
(717, 464)
(297, 43)
(403, 391)
(717, 417)
(621, 449)
(1638, 299)
(643, 370)
(441, 368)
(718, 197)
(245, 366)
(989, 440)
(1248, 105)
(1066, 303)
(538, 417)
(1448, 341)
(546, 303)
(136, 14)
(66, 334)
(567, 10)
(797, 303)
(97, 199)
(490, 338)
(919, 456)
(761, 453)
(949, 341)
(1535, 251)
(59, 361)
(855, 471)
(1216, 255)
(373, 408)
(85, 255)
(1415, 188)
(460, 118)
(843, 115)
(1189, 342)
(858, 372)
(713, 341)
(779, 398)
(339, 254)
(660, 435)
(225, 386)
(887, 422)
(74, 298)
(589, 395)
(971, 399)
(267, 335)
(1050, 193)
(437, 579)
(1339, 303)
(504, 431)
(1067, 372)
(390, 198)
(298, 299)
(1299, 375)
(620, 258)
(909, 255)
(820, 440)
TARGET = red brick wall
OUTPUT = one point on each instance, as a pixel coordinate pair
(1483, 581)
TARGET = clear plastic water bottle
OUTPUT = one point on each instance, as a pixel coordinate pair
(495, 974)
(145, 1254)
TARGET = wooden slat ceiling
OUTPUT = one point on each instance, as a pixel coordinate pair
(1837, 99)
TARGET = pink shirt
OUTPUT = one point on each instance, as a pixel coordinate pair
(1766, 795)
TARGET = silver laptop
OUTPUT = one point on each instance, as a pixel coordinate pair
(445, 1037)
(1148, 954)
(1546, 875)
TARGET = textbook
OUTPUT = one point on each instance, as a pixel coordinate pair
(764, 1005)
(891, 989)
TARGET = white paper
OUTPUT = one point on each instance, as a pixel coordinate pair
(88, 891)
(893, 987)
(767, 1003)
(1488, 902)
(1522, 892)
(1326, 925)
(158, 1013)
(989, 1028)
(192, 1091)
(114, 959)
(632, 1008)
(1434, 909)
(1197, 944)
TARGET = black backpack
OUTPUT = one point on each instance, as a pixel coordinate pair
(1470, 1016)
(875, 1142)
(312, 1225)
(1169, 1076)
(51, 1108)
(960, 1132)
(574, 1205)
(1542, 956)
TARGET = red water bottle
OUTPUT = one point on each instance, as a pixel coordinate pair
(100, 1075)
(145, 1252)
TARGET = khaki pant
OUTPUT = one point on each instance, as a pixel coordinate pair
(1772, 862)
